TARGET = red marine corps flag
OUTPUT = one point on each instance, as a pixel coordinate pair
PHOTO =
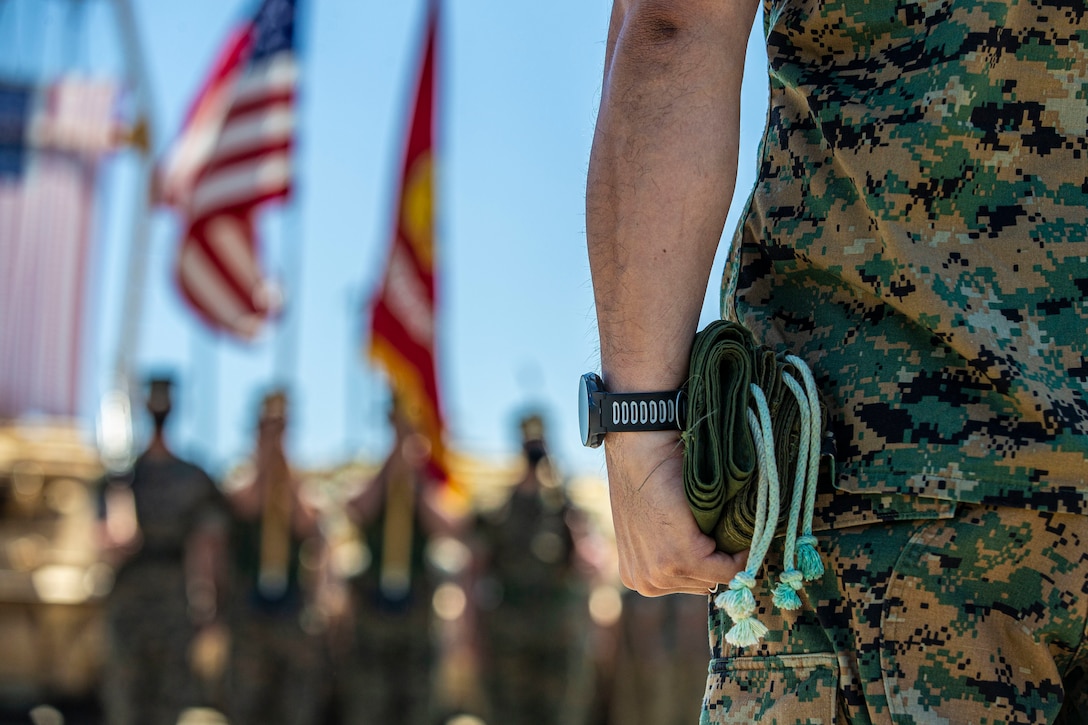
(232, 156)
(402, 324)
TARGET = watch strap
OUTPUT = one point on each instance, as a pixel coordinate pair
(622, 412)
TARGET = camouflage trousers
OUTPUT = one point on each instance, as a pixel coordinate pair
(147, 679)
(661, 660)
(390, 676)
(977, 618)
(276, 674)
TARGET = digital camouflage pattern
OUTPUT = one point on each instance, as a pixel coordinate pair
(147, 678)
(919, 235)
(660, 661)
(533, 621)
(391, 671)
(275, 675)
(974, 618)
(277, 671)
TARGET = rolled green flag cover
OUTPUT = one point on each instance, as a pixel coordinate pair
(751, 455)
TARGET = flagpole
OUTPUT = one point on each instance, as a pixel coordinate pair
(285, 365)
(131, 316)
(117, 406)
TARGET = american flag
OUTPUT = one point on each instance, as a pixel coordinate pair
(233, 155)
(51, 139)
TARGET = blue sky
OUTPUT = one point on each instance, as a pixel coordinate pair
(519, 89)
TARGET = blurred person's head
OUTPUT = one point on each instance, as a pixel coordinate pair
(405, 417)
(159, 400)
(532, 440)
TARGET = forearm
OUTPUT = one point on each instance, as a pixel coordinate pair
(662, 173)
(661, 177)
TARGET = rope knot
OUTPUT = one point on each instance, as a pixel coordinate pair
(739, 602)
(742, 579)
(809, 558)
(793, 578)
(785, 594)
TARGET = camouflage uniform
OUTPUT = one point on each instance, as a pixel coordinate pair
(974, 618)
(917, 235)
(390, 677)
(661, 662)
(533, 613)
(277, 667)
(147, 678)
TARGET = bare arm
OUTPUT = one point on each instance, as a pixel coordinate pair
(662, 173)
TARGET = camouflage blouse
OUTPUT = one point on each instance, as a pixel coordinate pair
(919, 234)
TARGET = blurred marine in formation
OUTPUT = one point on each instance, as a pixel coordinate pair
(391, 675)
(161, 524)
(276, 673)
(531, 597)
(661, 663)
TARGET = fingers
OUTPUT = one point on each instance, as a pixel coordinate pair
(663, 575)
(661, 549)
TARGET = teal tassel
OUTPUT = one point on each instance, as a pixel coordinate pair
(746, 632)
(808, 558)
(738, 602)
(785, 594)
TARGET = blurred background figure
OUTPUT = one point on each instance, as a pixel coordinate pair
(276, 672)
(162, 527)
(389, 678)
(661, 660)
(531, 597)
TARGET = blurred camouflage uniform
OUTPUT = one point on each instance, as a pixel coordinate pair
(660, 662)
(147, 678)
(390, 678)
(531, 601)
(917, 235)
(390, 675)
(277, 672)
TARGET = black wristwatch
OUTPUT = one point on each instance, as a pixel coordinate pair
(601, 412)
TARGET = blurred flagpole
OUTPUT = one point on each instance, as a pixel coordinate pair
(285, 365)
(115, 429)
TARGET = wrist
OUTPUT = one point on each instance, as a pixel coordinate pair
(627, 443)
(658, 376)
(602, 412)
(633, 459)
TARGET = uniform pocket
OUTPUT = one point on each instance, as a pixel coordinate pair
(777, 690)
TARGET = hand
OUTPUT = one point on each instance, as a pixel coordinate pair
(661, 549)
(415, 450)
(209, 650)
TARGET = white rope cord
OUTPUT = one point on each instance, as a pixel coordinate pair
(807, 555)
(801, 558)
(791, 580)
(739, 601)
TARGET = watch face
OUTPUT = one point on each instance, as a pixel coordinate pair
(589, 410)
(583, 410)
